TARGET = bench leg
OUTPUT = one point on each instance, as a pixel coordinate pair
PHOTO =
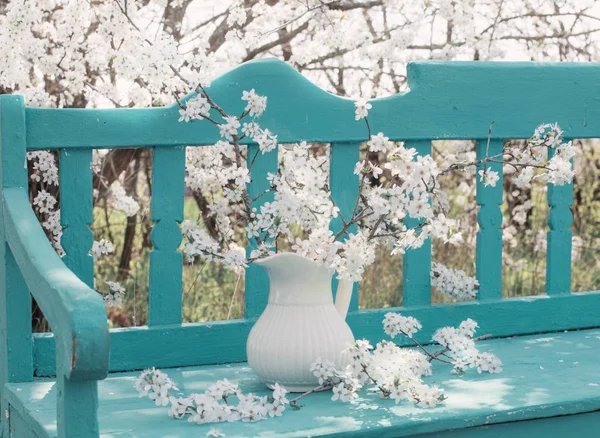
(16, 347)
(77, 409)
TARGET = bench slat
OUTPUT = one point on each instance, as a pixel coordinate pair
(559, 241)
(76, 212)
(447, 100)
(166, 262)
(488, 254)
(344, 185)
(565, 385)
(256, 280)
(416, 263)
(194, 344)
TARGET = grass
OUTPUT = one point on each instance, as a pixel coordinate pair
(213, 293)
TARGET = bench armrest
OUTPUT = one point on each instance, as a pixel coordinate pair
(75, 312)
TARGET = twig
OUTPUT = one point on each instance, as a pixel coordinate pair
(446, 349)
(233, 296)
(294, 401)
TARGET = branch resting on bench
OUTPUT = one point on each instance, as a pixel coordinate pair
(76, 313)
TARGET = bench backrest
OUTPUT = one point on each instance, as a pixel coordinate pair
(455, 100)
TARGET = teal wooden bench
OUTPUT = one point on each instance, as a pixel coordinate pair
(78, 381)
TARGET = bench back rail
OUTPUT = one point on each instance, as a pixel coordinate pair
(455, 100)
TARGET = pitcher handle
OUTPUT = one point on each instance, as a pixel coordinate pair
(343, 297)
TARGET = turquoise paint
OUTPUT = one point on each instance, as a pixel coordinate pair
(446, 100)
(194, 344)
(166, 262)
(256, 280)
(76, 400)
(75, 312)
(344, 186)
(581, 426)
(16, 351)
(416, 263)
(488, 252)
(522, 392)
(21, 425)
(76, 212)
(559, 240)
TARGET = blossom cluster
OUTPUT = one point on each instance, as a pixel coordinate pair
(546, 149)
(458, 343)
(400, 212)
(459, 346)
(52, 225)
(396, 373)
(44, 167)
(123, 202)
(453, 283)
(395, 324)
(256, 104)
(215, 404)
(101, 247)
(114, 297)
(196, 108)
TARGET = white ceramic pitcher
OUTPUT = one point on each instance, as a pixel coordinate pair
(300, 323)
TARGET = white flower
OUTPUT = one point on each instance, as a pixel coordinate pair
(179, 406)
(560, 171)
(115, 286)
(266, 140)
(379, 143)
(44, 167)
(256, 104)
(428, 396)
(250, 129)
(360, 167)
(467, 327)
(229, 128)
(398, 393)
(235, 259)
(376, 170)
(44, 201)
(339, 392)
(196, 108)
(395, 324)
(453, 283)
(236, 16)
(279, 393)
(160, 395)
(122, 202)
(362, 108)
(324, 370)
(524, 177)
(100, 248)
(489, 177)
(487, 362)
(275, 409)
(114, 297)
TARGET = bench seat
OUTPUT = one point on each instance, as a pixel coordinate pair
(550, 376)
